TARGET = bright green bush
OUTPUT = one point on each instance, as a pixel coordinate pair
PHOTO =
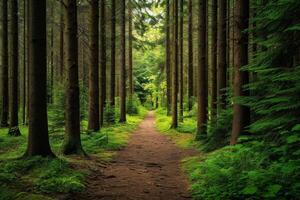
(133, 106)
(243, 172)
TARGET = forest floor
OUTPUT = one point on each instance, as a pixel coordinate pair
(148, 168)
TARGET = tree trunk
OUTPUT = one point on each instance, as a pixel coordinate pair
(222, 50)
(52, 56)
(175, 69)
(38, 139)
(113, 53)
(241, 114)
(14, 80)
(102, 61)
(191, 57)
(202, 71)
(24, 63)
(130, 65)
(168, 57)
(72, 142)
(61, 44)
(4, 78)
(123, 65)
(181, 64)
(214, 52)
(94, 122)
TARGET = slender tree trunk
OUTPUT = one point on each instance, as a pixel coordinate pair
(61, 44)
(123, 65)
(181, 63)
(4, 79)
(222, 50)
(202, 71)
(175, 69)
(102, 61)
(52, 55)
(72, 142)
(168, 57)
(241, 114)
(130, 65)
(113, 53)
(214, 53)
(38, 139)
(14, 80)
(94, 121)
(191, 57)
(24, 63)
(28, 63)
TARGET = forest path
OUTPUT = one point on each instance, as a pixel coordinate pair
(147, 169)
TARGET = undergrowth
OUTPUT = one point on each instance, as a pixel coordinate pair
(44, 176)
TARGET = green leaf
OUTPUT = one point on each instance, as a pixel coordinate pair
(297, 153)
(296, 127)
(292, 139)
(249, 190)
(273, 190)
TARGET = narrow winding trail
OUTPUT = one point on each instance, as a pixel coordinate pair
(147, 169)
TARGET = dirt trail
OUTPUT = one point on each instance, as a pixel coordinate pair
(147, 169)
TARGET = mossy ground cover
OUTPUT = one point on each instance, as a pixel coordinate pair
(44, 178)
(252, 170)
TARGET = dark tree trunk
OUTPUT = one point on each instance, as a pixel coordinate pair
(113, 53)
(38, 139)
(175, 69)
(123, 65)
(14, 80)
(4, 78)
(93, 122)
(222, 50)
(241, 114)
(202, 71)
(168, 57)
(24, 63)
(72, 142)
(102, 61)
(191, 57)
(130, 66)
(181, 63)
(61, 44)
(214, 53)
(52, 56)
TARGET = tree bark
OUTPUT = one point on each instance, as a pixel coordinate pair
(123, 65)
(4, 78)
(24, 63)
(94, 122)
(52, 56)
(241, 114)
(190, 58)
(130, 65)
(61, 43)
(181, 64)
(102, 61)
(14, 80)
(168, 57)
(222, 50)
(72, 142)
(38, 139)
(214, 53)
(202, 71)
(113, 53)
(175, 69)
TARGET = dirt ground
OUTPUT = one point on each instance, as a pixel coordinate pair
(147, 169)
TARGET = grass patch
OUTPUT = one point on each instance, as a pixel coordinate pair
(41, 178)
(183, 136)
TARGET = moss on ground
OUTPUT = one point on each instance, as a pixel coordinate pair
(43, 178)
